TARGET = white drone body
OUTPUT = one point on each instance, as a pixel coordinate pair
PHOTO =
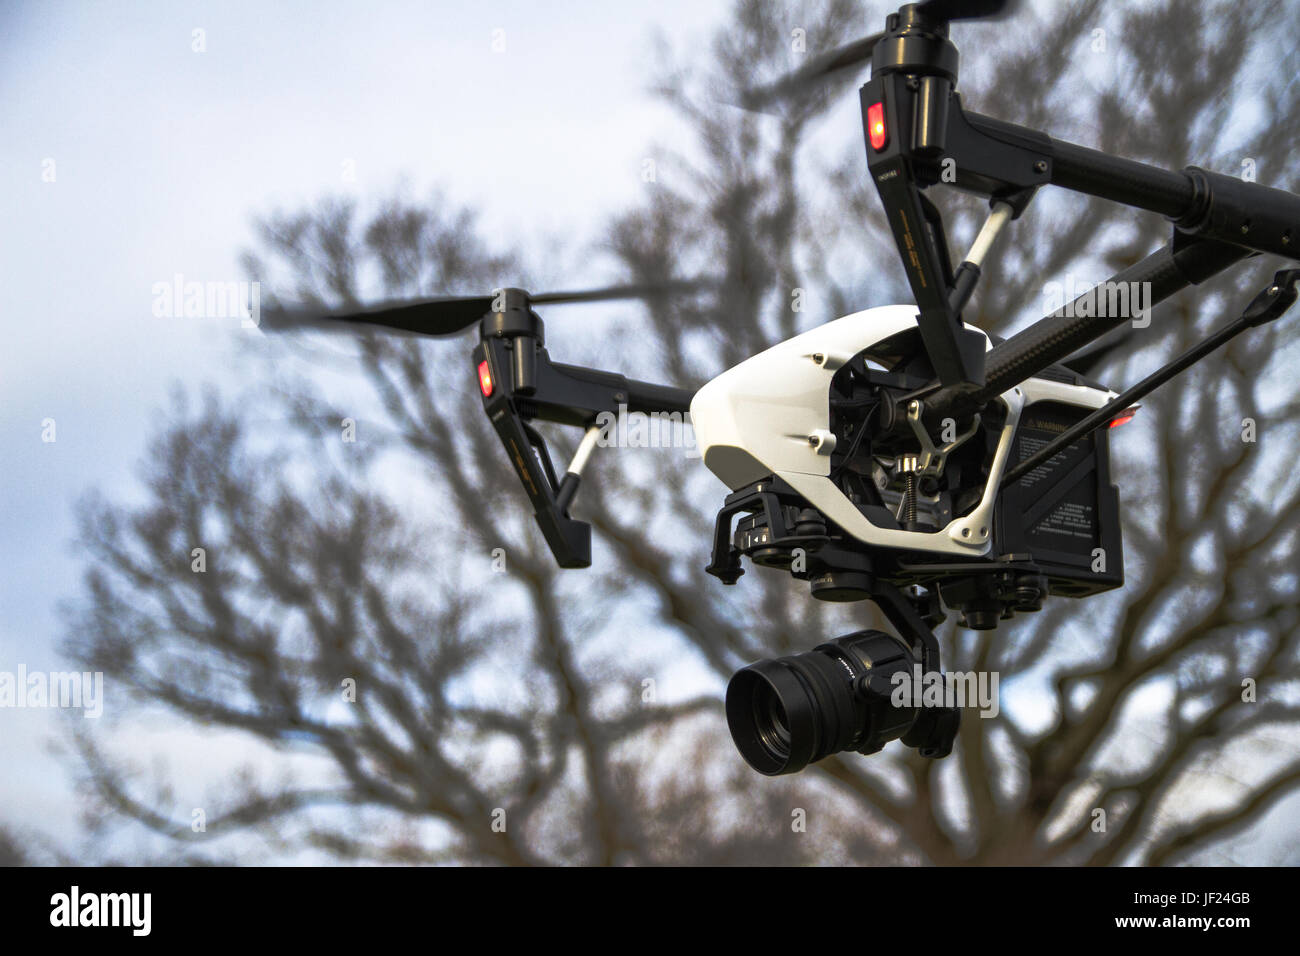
(770, 415)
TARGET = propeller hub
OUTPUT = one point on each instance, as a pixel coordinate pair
(511, 316)
(915, 42)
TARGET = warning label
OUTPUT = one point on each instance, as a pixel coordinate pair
(1059, 496)
(1070, 518)
(1029, 444)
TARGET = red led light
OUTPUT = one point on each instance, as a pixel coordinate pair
(485, 379)
(876, 126)
(1124, 417)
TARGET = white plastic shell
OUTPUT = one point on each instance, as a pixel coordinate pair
(770, 415)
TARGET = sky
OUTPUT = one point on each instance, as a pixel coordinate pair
(136, 149)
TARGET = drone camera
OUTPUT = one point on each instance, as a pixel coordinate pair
(792, 711)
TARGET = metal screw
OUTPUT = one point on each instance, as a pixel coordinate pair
(1040, 166)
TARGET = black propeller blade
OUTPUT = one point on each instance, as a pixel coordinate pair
(812, 73)
(822, 67)
(449, 315)
(441, 316)
(967, 9)
(643, 290)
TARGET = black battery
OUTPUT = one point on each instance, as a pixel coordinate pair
(1064, 513)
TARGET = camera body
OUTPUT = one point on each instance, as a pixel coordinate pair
(830, 483)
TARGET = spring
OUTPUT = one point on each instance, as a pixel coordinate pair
(909, 500)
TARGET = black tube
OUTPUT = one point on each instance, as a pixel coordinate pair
(1267, 306)
(564, 494)
(1251, 215)
(1099, 174)
(638, 396)
(1051, 339)
(648, 397)
(1121, 180)
(963, 285)
(525, 364)
(1202, 203)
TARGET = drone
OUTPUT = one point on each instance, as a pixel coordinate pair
(897, 455)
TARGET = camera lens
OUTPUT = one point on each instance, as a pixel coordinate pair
(770, 721)
(787, 713)
(770, 717)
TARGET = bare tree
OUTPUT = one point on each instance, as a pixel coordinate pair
(531, 715)
(479, 703)
(12, 852)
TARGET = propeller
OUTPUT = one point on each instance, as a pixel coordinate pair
(817, 70)
(811, 74)
(967, 9)
(448, 315)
